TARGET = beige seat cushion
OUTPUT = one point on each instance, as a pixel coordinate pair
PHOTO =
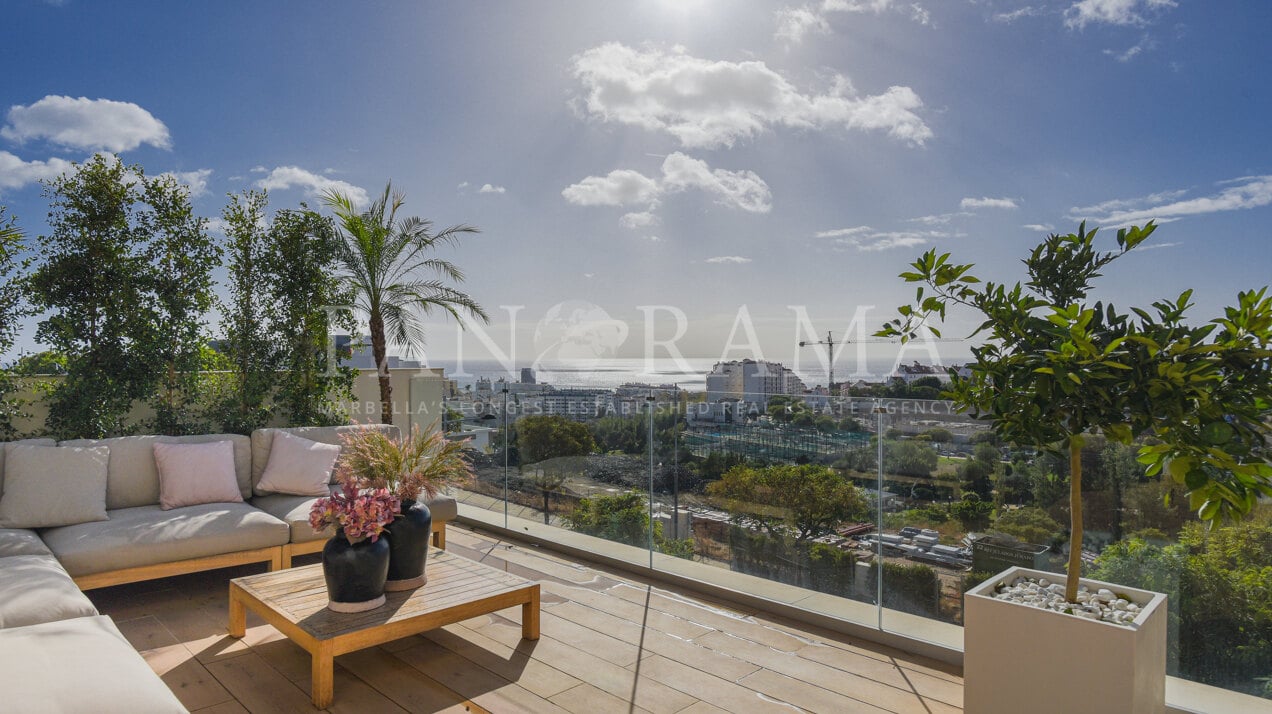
(20, 541)
(50, 486)
(34, 442)
(263, 442)
(147, 535)
(294, 511)
(35, 589)
(79, 665)
(132, 479)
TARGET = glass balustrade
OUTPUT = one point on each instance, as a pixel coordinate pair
(880, 510)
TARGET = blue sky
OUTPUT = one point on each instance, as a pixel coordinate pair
(700, 154)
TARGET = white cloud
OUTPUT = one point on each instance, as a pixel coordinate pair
(705, 103)
(489, 188)
(1241, 194)
(1145, 43)
(196, 181)
(1039, 227)
(939, 219)
(1009, 17)
(743, 190)
(620, 187)
(285, 177)
(258, 169)
(638, 219)
(728, 259)
(83, 123)
(863, 238)
(736, 189)
(794, 23)
(844, 232)
(986, 202)
(462, 185)
(1121, 204)
(16, 173)
(1114, 12)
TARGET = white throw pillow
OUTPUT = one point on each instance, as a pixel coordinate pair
(191, 474)
(298, 466)
(48, 486)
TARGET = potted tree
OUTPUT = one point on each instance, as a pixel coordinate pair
(413, 468)
(1055, 368)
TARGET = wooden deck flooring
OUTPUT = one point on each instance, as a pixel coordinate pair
(610, 643)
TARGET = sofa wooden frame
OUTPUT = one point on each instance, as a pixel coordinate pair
(278, 557)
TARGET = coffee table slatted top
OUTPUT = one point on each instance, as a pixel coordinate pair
(299, 595)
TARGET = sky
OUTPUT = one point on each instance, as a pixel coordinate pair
(718, 178)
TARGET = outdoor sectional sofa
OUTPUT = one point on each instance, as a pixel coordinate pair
(57, 653)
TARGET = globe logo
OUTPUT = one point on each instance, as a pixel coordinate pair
(576, 335)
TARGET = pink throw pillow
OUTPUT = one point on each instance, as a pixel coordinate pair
(191, 474)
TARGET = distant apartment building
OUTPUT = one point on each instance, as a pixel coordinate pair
(913, 372)
(751, 382)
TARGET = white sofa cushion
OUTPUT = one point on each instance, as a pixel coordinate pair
(51, 486)
(132, 478)
(21, 541)
(191, 474)
(35, 589)
(299, 466)
(34, 442)
(263, 442)
(148, 535)
(79, 665)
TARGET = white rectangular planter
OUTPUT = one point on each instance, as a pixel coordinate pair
(1018, 658)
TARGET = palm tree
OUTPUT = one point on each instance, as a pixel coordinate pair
(389, 267)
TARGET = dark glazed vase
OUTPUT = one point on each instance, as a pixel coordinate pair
(408, 536)
(355, 573)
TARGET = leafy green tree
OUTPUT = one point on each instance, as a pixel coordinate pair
(1216, 582)
(181, 257)
(623, 518)
(972, 512)
(36, 363)
(542, 437)
(389, 267)
(12, 308)
(126, 278)
(810, 500)
(909, 458)
(300, 270)
(1055, 367)
(1030, 525)
(248, 347)
(977, 473)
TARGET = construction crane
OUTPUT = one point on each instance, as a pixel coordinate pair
(830, 344)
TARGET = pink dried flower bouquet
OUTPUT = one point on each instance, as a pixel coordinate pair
(358, 513)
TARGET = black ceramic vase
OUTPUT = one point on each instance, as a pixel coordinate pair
(408, 537)
(355, 573)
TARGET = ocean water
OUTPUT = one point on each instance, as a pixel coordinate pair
(611, 372)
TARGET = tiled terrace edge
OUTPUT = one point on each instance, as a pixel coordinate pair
(908, 633)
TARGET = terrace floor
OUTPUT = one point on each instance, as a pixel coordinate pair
(610, 643)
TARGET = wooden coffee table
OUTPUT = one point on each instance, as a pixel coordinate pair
(295, 602)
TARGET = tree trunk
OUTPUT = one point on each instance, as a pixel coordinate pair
(1075, 518)
(547, 505)
(381, 366)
